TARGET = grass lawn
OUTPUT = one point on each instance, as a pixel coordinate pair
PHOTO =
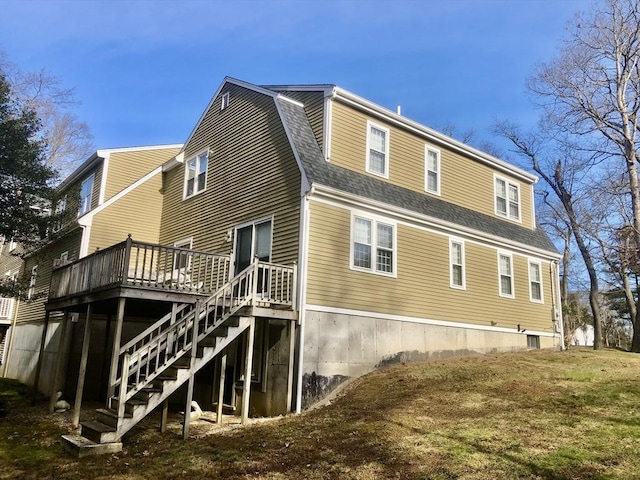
(535, 415)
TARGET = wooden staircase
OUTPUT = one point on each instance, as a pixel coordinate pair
(165, 356)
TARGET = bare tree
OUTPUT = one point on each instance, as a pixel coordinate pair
(592, 90)
(68, 140)
(562, 168)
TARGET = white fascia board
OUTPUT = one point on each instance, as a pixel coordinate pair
(432, 135)
(326, 89)
(226, 80)
(174, 162)
(95, 158)
(411, 217)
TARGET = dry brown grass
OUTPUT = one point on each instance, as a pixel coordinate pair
(536, 415)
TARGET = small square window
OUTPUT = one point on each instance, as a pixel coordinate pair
(533, 341)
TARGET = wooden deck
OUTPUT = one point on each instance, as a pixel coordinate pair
(138, 270)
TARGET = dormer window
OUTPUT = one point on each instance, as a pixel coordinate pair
(86, 190)
(507, 199)
(377, 150)
(195, 175)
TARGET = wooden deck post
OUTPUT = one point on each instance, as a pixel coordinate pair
(292, 347)
(246, 385)
(59, 363)
(115, 351)
(43, 340)
(223, 372)
(192, 373)
(163, 416)
(83, 367)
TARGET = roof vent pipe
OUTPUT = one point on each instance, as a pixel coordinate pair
(398, 110)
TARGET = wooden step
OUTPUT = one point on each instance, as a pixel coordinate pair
(183, 362)
(146, 392)
(109, 416)
(169, 374)
(79, 446)
(129, 407)
(99, 432)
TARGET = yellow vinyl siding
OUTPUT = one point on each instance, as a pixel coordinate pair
(138, 213)
(422, 287)
(30, 311)
(464, 181)
(251, 174)
(128, 166)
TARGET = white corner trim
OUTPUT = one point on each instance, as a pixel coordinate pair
(425, 321)
(328, 124)
(84, 243)
(103, 179)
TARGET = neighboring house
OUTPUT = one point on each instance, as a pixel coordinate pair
(307, 235)
(10, 263)
(113, 193)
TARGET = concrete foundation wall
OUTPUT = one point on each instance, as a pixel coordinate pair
(339, 346)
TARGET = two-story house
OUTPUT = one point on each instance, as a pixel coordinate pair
(114, 193)
(306, 236)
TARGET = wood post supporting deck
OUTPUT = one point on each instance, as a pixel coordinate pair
(115, 351)
(223, 372)
(246, 385)
(43, 340)
(59, 363)
(192, 373)
(83, 367)
(290, 379)
(163, 416)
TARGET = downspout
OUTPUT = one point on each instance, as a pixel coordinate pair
(302, 290)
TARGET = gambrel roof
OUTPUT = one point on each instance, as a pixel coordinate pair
(319, 171)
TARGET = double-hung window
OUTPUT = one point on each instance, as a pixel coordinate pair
(505, 265)
(377, 150)
(86, 191)
(535, 282)
(195, 175)
(432, 170)
(456, 256)
(373, 244)
(507, 199)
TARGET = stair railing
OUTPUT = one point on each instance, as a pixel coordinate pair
(151, 352)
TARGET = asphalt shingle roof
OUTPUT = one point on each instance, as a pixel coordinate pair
(319, 171)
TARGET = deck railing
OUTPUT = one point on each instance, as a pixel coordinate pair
(140, 264)
(147, 355)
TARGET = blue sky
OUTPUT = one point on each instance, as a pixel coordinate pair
(144, 70)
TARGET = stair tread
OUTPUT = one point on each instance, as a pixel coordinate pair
(112, 413)
(98, 426)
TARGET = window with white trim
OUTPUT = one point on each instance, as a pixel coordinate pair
(535, 282)
(195, 174)
(224, 101)
(432, 170)
(32, 282)
(373, 246)
(507, 199)
(86, 191)
(377, 150)
(182, 259)
(456, 256)
(505, 265)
